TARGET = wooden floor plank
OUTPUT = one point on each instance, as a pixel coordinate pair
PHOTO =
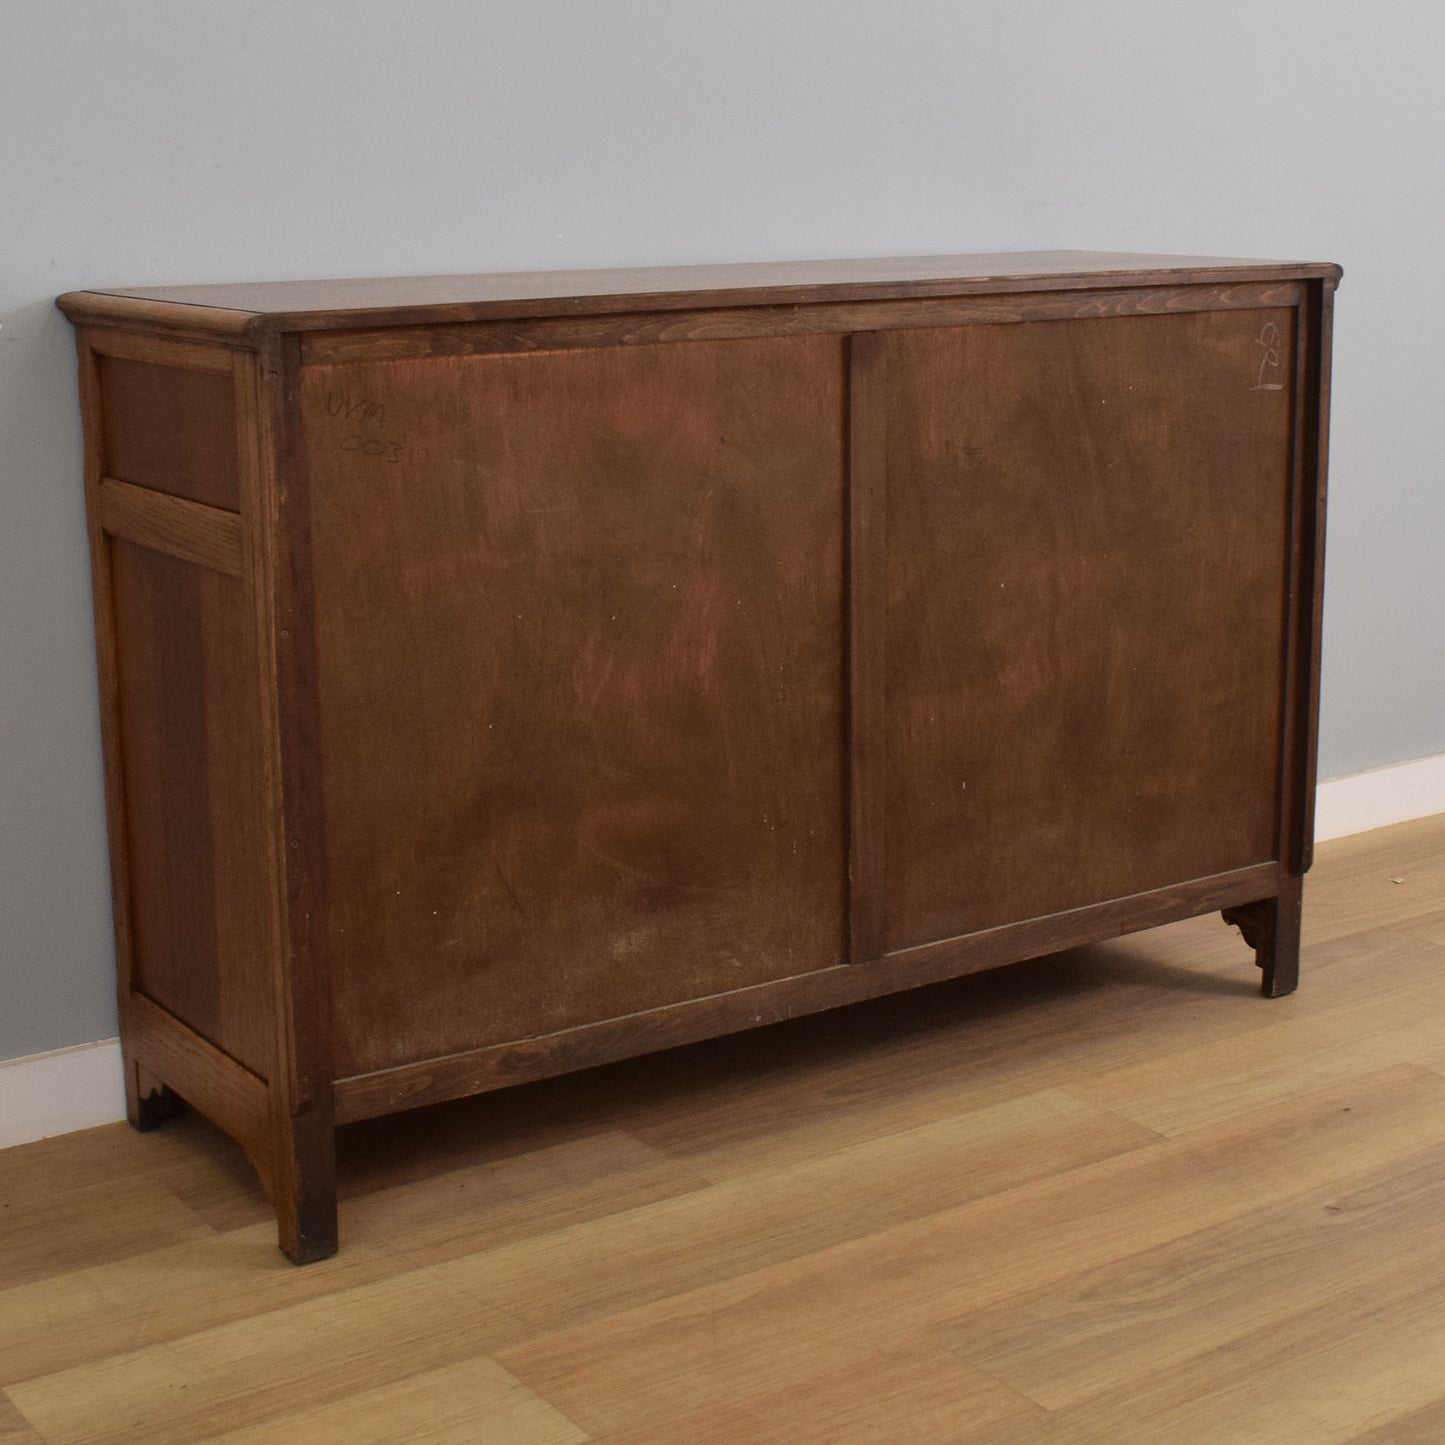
(735, 1228)
(1424, 1426)
(1429, 926)
(470, 1210)
(64, 1320)
(1108, 1196)
(1353, 887)
(979, 1042)
(264, 1366)
(1223, 1077)
(1097, 1329)
(15, 1429)
(1320, 1377)
(476, 1400)
(78, 1227)
(747, 1360)
(918, 1274)
(1134, 1002)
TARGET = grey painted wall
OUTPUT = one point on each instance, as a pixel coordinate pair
(165, 141)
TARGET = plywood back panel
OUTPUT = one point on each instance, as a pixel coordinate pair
(579, 631)
(1087, 527)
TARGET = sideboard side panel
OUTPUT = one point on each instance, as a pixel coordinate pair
(183, 735)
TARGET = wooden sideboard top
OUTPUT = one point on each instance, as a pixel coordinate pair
(271, 306)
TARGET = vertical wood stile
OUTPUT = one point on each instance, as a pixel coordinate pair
(867, 611)
(1290, 758)
(1319, 307)
(302, 1144)
(107, 665)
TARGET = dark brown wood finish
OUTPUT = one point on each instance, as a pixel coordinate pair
(1271, 927)
(504, 674)
(208, 536)
(477, 1070)
(1061, 533)
(140, 1114)
(712, 322)
(578, 623)
(171, 429)
(867, 636)
(210, 1078)
(187, 740)
(275, 485)
(1316, 321)
(336, 305)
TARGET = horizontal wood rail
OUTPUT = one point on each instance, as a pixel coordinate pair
(365, 1096)
(227, 1093)
(724, 323)
(192, 531)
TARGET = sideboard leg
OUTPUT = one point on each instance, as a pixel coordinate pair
(148, 1103)
(1281, 969)
(305, 1186)
(1272, 928)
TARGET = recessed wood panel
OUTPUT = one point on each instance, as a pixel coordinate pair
(195, 812)
(579, 638)
(171, 429)
(1087, 569)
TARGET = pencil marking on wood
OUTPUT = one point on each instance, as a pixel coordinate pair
(1268, 341)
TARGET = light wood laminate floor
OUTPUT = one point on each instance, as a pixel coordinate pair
(1112, 1195)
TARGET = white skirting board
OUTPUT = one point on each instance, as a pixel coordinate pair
(81, 1087)
(1382, 796)
(60, 1092)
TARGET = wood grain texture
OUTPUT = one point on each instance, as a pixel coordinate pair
(188, 745)
(1216, 1221)
(1271, 927)
(78, 1228)
(127, 317)
(108, 694)
(471, 1071)
(454, 1405)
(1060, 538)
(693, 1240)
(709, 322)
(1424, 1426)
(1117, 1324)
(994, 1245)
(291, 305)
(207, 536)
(732, 1358)
(504, 1201)
(575, 768)
(14, 1428)
(867, 638)
(1314, 469)
(249, 1372)
(283, 609)
(99, 1300)
(1323, 1385)
(157, 351)
(224, 1090)
(171, 429)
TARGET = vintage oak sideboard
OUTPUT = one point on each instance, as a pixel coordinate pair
(504, 674)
